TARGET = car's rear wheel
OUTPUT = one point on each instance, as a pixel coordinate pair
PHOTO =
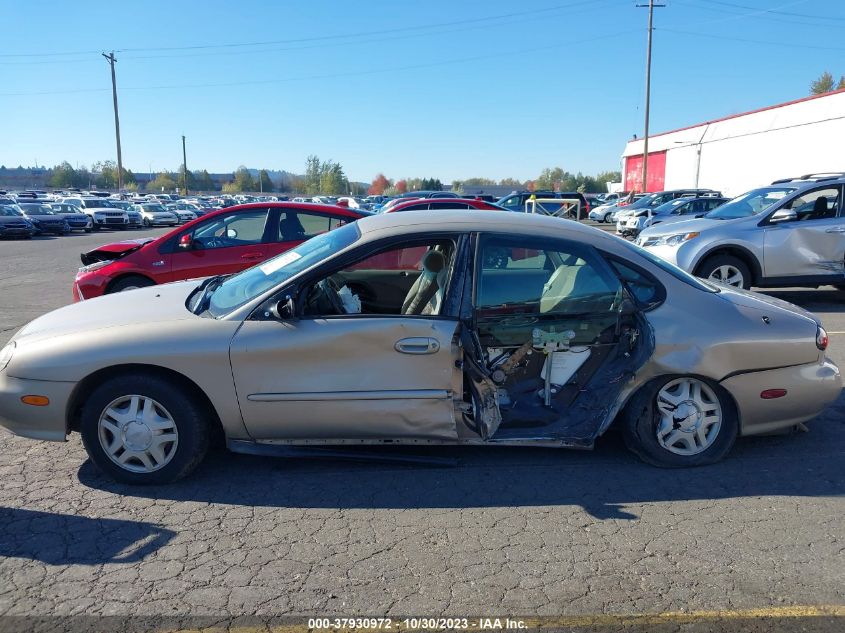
(144, 430)
(726, 269)
(680, 421)
(130, 283)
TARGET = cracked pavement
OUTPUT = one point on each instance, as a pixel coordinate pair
(506, 531)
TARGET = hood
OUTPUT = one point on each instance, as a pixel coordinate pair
(113, 251)
(155, 304)
(770, 306)
(8, 219)
(690, 226)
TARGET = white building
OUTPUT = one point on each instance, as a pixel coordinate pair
(743, 151)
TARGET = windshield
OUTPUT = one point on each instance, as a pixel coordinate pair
(98, 204)
(154, 208)
(37, 209)
(245, 286)
(751, 203)
(9, 212)
(667, 207)
(643, 203)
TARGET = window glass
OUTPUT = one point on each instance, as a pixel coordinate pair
(750, 203)
(547, 279)
(645, 288)
(448, 205)
(818, 204)
(298, 225)
(512, 203)
(415, 207)
(235, 229)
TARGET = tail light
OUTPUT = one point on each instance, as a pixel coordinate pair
(821, 338)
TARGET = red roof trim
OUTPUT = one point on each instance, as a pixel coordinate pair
(736, 116)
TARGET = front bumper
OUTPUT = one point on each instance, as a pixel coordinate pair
(39, 423)
(809, 390)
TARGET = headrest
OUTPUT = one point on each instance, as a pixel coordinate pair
(433, 261)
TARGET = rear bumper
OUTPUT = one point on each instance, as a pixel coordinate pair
(809, 390)
(39, 423)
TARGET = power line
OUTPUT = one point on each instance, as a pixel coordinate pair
(750, 41)
(776, 10)
(336, 75)
(321, 38)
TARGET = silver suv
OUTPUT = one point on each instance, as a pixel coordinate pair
(791, 233)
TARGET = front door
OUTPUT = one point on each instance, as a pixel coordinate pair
(362, 361)
(813, 245)
(223, 244)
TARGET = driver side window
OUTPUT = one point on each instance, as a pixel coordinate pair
(408, 280)
(234, 229)
(818, 204)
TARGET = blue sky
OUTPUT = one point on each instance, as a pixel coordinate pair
(442, 88)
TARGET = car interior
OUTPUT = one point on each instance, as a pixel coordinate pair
(408, 280)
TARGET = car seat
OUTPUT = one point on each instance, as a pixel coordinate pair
(426, 294)
(290, 228)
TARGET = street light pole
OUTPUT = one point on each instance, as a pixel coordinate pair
(112, 59)
(651, 7)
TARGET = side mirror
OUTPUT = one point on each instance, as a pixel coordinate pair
(186, 242)
(284, 310)
(783, 215)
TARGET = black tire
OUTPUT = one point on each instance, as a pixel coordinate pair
(147, 223)
(639, 425)
(190, 417)
(709, 265)
(129, 283)
(89, 230)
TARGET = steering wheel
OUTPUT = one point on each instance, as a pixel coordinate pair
(330, 289)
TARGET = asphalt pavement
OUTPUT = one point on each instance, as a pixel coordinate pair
(504, 532)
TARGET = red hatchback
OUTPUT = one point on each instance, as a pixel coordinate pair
(422, 204)
(222, 242)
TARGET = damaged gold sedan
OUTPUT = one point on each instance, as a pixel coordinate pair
(445, 327)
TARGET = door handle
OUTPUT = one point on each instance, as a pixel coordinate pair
(836, 229)
(251, 256)
(417, 345)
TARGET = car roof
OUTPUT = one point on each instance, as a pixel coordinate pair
(464, 220)
(415, 201)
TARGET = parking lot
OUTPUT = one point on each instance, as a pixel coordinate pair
(505, 531)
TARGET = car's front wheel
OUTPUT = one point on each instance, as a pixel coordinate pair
(144, 430)
(726, 269)
(680, 421)
(130, 283)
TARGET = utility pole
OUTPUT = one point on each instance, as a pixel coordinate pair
(111, 59)
(651, 7)
(184, 168)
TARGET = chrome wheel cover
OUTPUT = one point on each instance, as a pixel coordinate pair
(690, 416)
(138, 434)
(728, 275)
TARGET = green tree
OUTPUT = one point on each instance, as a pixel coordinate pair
(510, 182)
(62, 176)
(203, 181)
(332, 179)
(312, 175)
(823, 84)
(164, 181)
(264, 182)
(243, 180)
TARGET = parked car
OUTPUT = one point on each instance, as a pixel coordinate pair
(154, 214)
(14, 224)
(77, 221)
(603, 212)
(103, 215)
(654, 200)
(516, 201)
(428, 194)
(219, 243)
(320, 346)
(43, 218)
(426, 204)
(182, 212)
(676, 210)
(791, 233)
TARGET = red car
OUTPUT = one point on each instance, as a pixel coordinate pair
(221, 242)
(421, 204)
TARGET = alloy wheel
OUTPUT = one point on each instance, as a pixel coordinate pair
(728, 275)
(690, 416)
(138, 434)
